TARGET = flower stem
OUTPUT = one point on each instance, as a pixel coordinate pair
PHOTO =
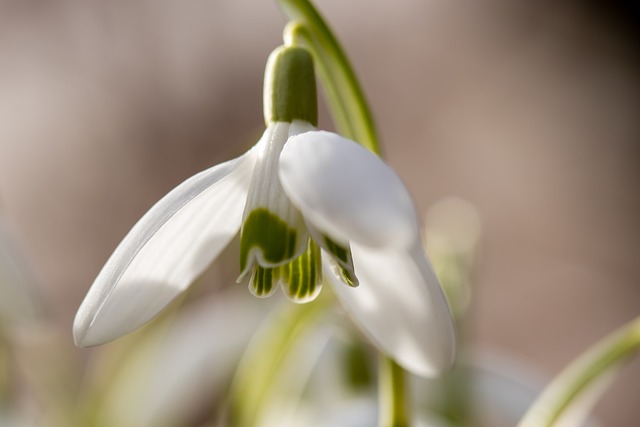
(344, 93)
(263, 362)
(394, 405)
(575, 380)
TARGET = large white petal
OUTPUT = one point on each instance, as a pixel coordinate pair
(400, 306)
(165, 251)
(346, 191)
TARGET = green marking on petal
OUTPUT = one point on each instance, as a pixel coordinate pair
(268, 233)
(302, 277)
(348, 277)
(343, 263)
(263, 281)
(340, 253)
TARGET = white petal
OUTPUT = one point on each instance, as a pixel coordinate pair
(400, 305)
(165, 251)
(346, 191)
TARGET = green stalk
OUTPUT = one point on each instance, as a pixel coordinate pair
(346, 99)
(262, 363)
(575, 380)
(394, 406)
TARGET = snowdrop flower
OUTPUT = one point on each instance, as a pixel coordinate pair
(305, 202)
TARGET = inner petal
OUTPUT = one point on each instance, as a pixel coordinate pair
(341, 262)
(340, 259)
(301, 279)
(267, 239)
(273, 232)
(263, 281)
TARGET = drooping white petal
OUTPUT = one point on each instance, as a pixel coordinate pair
(346, 191)
(400, 306)
(165, 251)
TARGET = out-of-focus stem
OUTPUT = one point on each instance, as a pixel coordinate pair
(394, 405)
(580, 374)
(262, 363)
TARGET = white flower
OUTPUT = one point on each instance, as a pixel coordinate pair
(299, 196)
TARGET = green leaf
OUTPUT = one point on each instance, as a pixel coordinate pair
(579, 377)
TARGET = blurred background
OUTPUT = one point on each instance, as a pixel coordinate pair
(528, 110)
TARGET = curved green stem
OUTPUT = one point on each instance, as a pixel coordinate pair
(394, 406)
(344, 93)
(262, 363)
(580, 374)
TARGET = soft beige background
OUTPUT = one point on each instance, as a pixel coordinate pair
(527, 109)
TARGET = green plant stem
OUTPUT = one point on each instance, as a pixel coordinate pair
(580, 374)
(260, 367)
(394, 406)
(344, 93)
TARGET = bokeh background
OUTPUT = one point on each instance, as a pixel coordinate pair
(529, 110)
